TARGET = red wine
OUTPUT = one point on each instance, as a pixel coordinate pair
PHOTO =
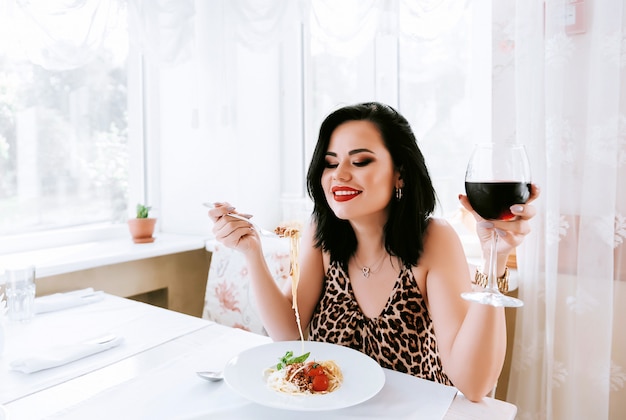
(492, 200)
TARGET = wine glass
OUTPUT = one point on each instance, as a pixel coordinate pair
(497, 177)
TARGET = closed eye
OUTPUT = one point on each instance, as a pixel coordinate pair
(362, 163)
(358, 164)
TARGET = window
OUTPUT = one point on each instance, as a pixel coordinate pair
(64, 147)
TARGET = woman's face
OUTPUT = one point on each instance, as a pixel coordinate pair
(359, 177)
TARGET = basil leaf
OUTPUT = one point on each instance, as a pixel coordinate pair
(299, 359)
(287, 359)
(284, 361)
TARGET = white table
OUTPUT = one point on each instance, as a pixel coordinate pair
(152, 375)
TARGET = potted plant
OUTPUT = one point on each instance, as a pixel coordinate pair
(142, 227)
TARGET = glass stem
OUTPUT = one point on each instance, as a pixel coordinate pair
(493, 265)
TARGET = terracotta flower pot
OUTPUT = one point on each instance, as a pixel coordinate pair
(142, 229)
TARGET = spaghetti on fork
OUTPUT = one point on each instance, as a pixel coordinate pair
(293, 234)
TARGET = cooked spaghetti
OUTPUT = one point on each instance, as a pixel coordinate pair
(294, 267)
(305, 378)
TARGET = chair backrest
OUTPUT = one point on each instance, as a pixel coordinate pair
(228, 299)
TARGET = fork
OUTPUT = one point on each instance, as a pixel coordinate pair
(259, 229)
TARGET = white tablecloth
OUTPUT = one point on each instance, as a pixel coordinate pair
(173, 390)
(142, 326)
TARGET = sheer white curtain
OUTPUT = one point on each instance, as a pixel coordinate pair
(345, 28)
(65, 34)
(569, 359)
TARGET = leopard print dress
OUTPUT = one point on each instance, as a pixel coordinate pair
(401, 338)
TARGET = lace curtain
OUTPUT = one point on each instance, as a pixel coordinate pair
(569, 359)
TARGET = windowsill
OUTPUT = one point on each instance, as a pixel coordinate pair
(66, 259)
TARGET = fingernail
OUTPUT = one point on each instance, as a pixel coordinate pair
(230, 208)
(501, 232)
(517, 209)
(485, 224)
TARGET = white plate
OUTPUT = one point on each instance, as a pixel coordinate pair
(362, 376)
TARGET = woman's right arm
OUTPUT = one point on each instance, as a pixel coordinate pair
(274, 305)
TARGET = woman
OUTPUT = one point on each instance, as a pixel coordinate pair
(378, 273)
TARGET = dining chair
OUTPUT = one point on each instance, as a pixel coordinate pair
(228, 298)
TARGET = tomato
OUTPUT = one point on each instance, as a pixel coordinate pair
(315, 369)
(320, 383)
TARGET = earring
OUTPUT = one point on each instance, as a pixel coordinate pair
(398, 194)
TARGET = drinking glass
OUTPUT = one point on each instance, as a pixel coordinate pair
(20, 291)
(497, 177)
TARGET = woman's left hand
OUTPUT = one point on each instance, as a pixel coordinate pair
(510, 233)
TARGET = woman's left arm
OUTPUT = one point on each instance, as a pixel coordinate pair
(471, 336)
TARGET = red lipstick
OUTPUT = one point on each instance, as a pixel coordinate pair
(342, 194)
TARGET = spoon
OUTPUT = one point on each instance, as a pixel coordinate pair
(211, 375)
(263, 232)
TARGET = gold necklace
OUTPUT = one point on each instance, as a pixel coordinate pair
(365, 270)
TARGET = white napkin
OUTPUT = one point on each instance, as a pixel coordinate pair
(58, 301)
(61, 355)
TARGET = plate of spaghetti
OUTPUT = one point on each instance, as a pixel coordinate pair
(304, 376)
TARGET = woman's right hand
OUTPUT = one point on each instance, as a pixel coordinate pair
(233, 233)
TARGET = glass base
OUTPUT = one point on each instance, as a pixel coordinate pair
(493, 299)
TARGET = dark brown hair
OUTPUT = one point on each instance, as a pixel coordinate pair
(408, 217)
